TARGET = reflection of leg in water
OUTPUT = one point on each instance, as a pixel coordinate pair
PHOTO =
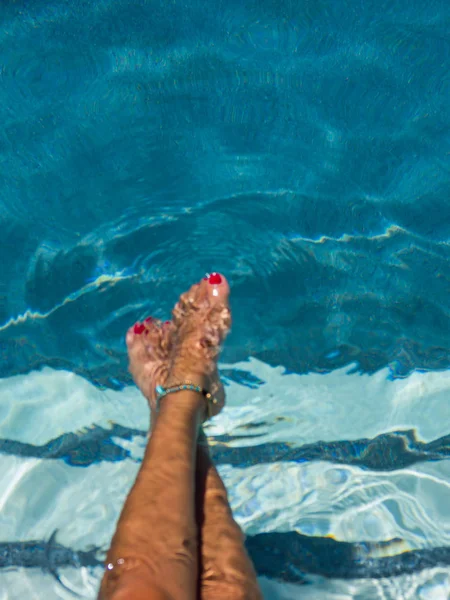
(155, 549)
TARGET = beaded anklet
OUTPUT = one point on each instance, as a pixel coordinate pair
(186, 385)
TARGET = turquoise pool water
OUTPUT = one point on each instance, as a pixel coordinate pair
(302, 148)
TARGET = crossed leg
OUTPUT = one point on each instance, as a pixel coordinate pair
(227, 572)
(176, 538)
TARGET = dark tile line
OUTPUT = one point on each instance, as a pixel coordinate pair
(79, 449)
(386, 452)
(288, 557)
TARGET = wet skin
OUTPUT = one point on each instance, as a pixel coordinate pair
(176, 538)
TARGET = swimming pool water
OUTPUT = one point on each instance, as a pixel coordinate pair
(302, 148)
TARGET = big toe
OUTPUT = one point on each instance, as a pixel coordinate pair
(216, 288)
(149, 345)
(216, 315)
(204, 310)
(201, 320)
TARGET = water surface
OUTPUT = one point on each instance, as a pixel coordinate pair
(302, 148)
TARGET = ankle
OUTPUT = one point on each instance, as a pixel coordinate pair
(184, 405)
(178, 377)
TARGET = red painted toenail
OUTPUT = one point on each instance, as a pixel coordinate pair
(166, 323)
(148, 320)
(215, 279)
(139, 328)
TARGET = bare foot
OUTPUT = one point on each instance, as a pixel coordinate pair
(185, 348)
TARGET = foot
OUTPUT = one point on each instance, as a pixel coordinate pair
(186, 348)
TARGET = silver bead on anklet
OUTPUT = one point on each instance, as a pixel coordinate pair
(119, 561)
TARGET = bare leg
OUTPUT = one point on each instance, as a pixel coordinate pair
(154, 550)
(226, 569)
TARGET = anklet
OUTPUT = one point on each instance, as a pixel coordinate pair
(186, 385)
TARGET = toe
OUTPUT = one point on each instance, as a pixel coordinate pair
(143, 337)
(187, 302)
(134, 340)
(216, 288)
(137, 353)
(210, 294)
(148, 345)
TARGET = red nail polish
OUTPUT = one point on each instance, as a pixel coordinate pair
(166, 323)
(138, 328)
(215, 279)
(148, 320)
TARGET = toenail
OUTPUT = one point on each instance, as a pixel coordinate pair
(148, 320)
(138, 328)
(215, 279)
(166, 323)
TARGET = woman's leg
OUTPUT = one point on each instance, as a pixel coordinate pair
(227, 572)
(154, 550)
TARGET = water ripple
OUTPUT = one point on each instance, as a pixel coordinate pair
(233, 139)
